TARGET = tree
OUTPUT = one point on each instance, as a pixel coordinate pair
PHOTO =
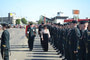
(24, 21)
(40, 20)
(17, 21)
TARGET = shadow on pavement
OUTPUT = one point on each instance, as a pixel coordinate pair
(19, 46)
(39, 59)
(43, 53)
(37, 46)
(24, 46)
(20, 50)
(44, 56)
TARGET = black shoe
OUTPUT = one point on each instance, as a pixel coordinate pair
(57, 50)
(60, 56)
(30, 49)
(45, 50)
(58, 53)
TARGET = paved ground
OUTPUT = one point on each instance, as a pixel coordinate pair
(20, 51)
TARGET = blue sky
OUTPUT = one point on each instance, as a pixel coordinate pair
(32, 9)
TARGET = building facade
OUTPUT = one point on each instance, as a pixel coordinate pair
(11, 19)
(58, 19)
(6, 20)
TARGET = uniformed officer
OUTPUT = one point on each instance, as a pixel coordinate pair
(68, 32)
(32, 34)
(73, 42)
(52, 34)
(66, 41)
(82, 48)
(88, 42)
(5, 46)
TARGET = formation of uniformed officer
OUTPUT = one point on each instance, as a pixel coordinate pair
(5, 46)
(71, 40)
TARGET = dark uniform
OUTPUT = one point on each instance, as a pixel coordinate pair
(39, 30)
(88, 46)
(51, 33)
(5, 45)
(62, 42)
(66, 44)
(32, 34)
(82, 48)
(73, 42)
(88, 43)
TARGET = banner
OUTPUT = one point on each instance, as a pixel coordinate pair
(76, 12)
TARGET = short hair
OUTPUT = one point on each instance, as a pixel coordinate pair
(74, 21)
(42, 22)
(5, 25)
(45, 26)
(83, 22)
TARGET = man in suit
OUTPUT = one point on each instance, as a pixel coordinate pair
(41, 27)
(5, 46)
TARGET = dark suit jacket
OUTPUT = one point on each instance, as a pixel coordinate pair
(5, 39)
(74, 38)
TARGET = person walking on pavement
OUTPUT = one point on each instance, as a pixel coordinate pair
(45, 35)
(27, 33)
(41, 27)
(32, 34)
(5, 46)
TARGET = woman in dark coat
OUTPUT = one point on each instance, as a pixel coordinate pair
(45, 35)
